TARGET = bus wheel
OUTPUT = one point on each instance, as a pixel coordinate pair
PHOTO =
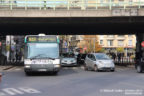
(139, 69)
(55, 73)
(27, 73)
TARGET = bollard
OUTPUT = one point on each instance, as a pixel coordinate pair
(0, 77)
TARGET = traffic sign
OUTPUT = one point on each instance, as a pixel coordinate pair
(142, 44)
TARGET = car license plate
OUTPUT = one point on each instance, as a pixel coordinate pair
(42, 70)
(68, 62)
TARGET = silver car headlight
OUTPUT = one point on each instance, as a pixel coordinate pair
(63, 61)
(100, 64)
(74, 61)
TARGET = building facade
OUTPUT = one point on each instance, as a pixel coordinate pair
(111, 42)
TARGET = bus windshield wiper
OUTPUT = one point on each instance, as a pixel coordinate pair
(39, 55)
(49, 58)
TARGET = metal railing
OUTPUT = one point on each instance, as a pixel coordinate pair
(70, 4)
(124, 61)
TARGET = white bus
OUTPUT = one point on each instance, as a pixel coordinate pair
(41, 54)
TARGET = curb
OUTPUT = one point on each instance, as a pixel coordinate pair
(7, 68)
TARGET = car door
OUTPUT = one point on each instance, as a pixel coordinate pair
(87, 60)
(92, 62)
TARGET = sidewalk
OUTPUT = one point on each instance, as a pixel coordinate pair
(2, 68)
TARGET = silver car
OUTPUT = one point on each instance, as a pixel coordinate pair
(99, 61)
(68, 60)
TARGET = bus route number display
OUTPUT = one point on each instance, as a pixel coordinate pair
(41, 39)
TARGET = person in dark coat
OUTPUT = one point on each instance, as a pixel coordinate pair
(16, 55)
(119, 57)
(19, 56)
(114, 56)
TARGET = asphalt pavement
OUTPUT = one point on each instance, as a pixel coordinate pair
(73, 81)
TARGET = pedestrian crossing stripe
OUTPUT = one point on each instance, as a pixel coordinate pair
(18, 91)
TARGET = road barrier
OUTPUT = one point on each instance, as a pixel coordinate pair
(124, 61)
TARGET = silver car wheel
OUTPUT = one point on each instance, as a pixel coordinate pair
(85, 67)
(95, 68)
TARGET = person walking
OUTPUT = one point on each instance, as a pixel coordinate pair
(119, 57)
(17, 56)
(114, 56)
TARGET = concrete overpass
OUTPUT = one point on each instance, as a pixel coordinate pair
(72, 13)
(65, 18)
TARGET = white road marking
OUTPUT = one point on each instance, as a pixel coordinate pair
(18, 91)
(29, 90)
(12, 91)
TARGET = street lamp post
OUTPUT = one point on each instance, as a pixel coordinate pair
(94, 45)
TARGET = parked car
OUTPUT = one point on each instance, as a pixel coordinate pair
(99, 61)
(68, 59)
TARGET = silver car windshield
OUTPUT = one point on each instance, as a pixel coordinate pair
(102, 57)
(43, 50)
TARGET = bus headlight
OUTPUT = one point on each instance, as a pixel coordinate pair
(27, 61)
(27, 66)
(56, 61)
(57, 65)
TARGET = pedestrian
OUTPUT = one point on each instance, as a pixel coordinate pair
(114, 56)
(17, 55)
(119, 57)
(12, 56)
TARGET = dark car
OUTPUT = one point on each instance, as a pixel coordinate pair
(81, 58)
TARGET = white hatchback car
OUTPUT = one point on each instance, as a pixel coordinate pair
(99, 61)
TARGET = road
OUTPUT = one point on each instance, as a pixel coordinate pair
(73, 81)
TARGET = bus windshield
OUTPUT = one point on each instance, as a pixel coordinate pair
(43, 50)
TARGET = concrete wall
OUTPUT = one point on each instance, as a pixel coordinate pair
(71, 13)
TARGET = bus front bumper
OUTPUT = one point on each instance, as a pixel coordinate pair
(42, 67)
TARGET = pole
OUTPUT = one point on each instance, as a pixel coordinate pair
(10, 49)
(126, 50)
(94, 45)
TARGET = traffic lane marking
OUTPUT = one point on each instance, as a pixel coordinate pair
(18, 91)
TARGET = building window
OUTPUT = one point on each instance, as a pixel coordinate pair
(101, 42)
(130, 43)
(110, 42)
(120, 43)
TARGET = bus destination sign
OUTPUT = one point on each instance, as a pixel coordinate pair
(33, 39)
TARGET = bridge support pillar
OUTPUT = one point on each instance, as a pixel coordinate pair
(139, 52)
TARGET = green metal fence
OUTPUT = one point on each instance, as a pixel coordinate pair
(70, 4)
